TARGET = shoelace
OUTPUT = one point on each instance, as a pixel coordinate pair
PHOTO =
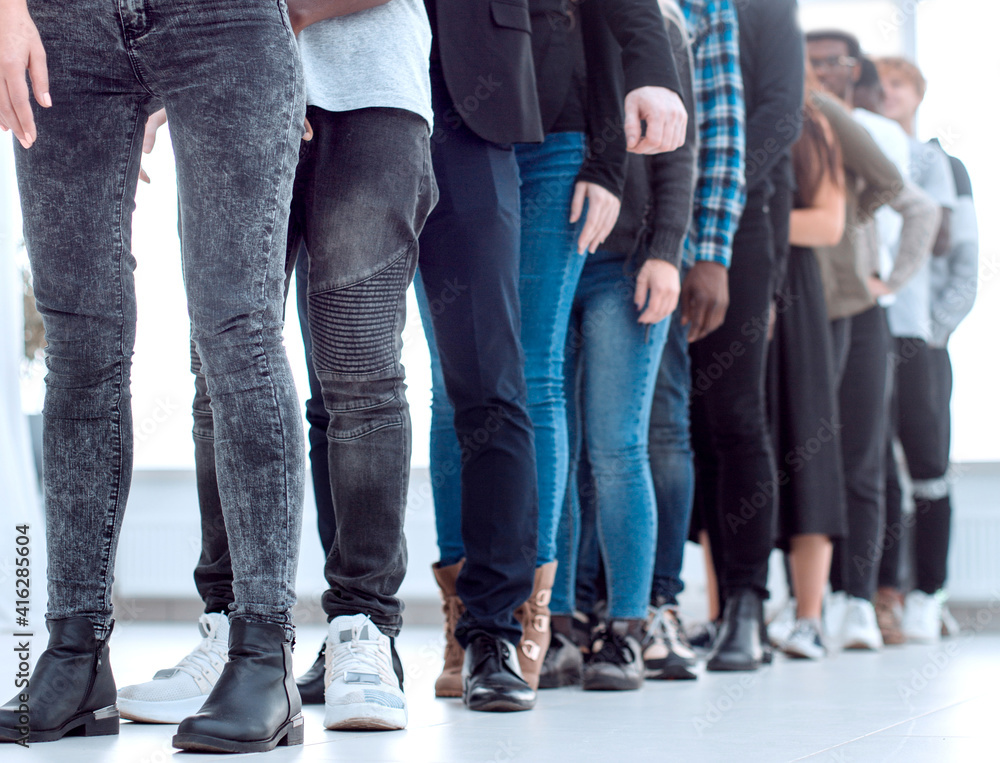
(200, 662)
(664, 623)
(356, 655)
(613, 648)
(494, 648)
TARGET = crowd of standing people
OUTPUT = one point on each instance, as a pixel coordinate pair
(683, 272)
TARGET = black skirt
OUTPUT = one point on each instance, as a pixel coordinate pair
(802, 405)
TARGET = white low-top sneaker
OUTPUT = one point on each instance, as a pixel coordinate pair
(362, 689)
(860, 629)
(834, 611)
(180, 691)
(922, 617)
(805, 641)
(781, 627)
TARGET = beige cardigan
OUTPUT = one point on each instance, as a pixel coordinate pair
(872, 180)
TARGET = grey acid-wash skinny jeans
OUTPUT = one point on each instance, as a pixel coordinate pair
(230, 79)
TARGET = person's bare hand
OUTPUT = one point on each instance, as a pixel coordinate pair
(704, 299)
(21, 50)
(308, 131)
(602, 214)
(155, 121)
(665, 116)
(657, 288)
(878, 287)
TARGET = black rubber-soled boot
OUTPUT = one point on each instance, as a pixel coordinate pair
(311, 684)
(255, 705)
(70, 692)
(738, 645)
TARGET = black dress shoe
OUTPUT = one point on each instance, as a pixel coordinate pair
(255, 704)
(738, 645)
(311, 685)
(70, 692)
(491, 676)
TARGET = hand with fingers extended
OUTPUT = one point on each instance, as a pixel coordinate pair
(665, 116)
(657, 289)
(602, 214)
(21, 50)
(155, 121)
(704, 299)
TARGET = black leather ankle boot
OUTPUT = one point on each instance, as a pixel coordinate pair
(70, 692)
(738, 645)
(255, 705)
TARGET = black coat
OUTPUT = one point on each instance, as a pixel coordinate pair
(485, 51)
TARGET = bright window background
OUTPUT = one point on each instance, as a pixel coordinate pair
(957, 49)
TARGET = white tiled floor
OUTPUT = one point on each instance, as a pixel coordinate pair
(912, 704)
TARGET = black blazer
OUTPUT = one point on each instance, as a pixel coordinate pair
(485, 50)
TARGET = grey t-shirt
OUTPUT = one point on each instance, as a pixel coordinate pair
(373, 58)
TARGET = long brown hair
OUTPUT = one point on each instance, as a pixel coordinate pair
(816, 154)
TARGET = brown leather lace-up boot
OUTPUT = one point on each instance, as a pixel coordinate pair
(449, 683)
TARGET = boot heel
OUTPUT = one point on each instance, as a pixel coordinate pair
(103, 723)
(296, 732)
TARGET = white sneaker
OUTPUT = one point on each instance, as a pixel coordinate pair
(781, 627)
(362, 689)
(180, 691)
(860, 629)
(834, 611)
(805, 641)
(949, 625)
(922, 617)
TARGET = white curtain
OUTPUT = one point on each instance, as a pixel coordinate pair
(19, 500)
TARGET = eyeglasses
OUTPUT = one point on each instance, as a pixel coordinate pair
(833, 62)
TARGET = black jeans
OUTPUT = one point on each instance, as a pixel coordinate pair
(735, 482)
(861, 353)
(469, 265)
(921, 419)
(362, 192)
(230, 79)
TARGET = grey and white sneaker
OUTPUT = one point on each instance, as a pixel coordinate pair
(363, 690)
(180, 691)
(665, 649)
(782, 625)
(860, 630)
(805, 640)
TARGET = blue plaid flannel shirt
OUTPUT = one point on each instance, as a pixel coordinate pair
(720, 194)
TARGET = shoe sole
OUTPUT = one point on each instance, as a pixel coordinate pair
(447, 693)
(148, 711)
(721, 666)
(860, 646)
(670, 673)
(497, 703)
(103, 722)
(611, 683)
(802, 654)
(364, 717)
(290, 733)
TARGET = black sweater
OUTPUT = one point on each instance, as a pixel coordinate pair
(772, 54)
(588, 55)
(659, 189)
